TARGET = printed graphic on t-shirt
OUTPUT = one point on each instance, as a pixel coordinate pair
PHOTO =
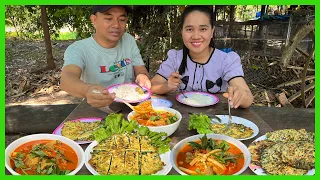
(116, 68)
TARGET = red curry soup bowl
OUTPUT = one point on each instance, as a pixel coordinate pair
(44, 154)
(188, 159)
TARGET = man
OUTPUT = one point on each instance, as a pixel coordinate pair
(110, 56)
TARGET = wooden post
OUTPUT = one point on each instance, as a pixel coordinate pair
(289, 31)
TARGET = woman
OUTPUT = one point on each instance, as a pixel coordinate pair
(199, 66)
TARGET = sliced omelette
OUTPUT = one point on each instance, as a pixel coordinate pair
(238, 131)
(126, 154)
(80, 131)
(286, 135)
(150, 163)
(256, 149)
(271, 162)
(285, 152)
(299, 154)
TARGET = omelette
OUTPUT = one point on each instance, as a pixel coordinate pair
(238, 131)
(285, 152)
(126, 154)
(80, 131)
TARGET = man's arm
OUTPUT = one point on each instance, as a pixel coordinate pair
(140, 70)
(71, 83)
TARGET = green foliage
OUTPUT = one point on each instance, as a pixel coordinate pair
(158, 29)
(66, 36)
(27, 20)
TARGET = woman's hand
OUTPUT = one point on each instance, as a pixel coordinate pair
(238, 96)
(174, 81)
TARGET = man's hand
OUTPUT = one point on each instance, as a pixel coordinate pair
(237, 96)
(143, 80)
(98, 96)
(174, 81)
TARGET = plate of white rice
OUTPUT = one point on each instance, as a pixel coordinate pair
(128, 92)
(197, 99)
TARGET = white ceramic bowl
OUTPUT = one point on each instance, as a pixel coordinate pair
(237, 143)
(169, 129)
(15, 144)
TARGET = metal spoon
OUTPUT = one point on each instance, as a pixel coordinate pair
(183, 93)
(230, 117)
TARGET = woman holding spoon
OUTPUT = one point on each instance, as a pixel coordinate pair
(199, 66)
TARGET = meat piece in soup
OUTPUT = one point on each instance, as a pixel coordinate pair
(208, 156)
(44, 157)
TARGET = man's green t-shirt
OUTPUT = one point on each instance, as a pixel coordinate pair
(105, 66)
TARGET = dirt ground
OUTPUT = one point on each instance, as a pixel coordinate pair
(24, 87)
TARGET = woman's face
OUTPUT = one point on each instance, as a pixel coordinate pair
(197, 32)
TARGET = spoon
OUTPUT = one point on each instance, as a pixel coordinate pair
(139, 89)
(134, 108)
(183, 93)
(230, 117)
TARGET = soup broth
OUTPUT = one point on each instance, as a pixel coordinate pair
(188, 153)
(43, 157)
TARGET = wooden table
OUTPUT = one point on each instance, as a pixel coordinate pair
(272, 121)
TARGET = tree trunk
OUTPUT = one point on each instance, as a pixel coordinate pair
(261, 27)
(215, 13)
(50, 62)
(231, 19)
(263, 10)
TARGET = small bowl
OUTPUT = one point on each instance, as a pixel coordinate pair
(237, 143)
(159, 102)
(169, 129)
(15, 144)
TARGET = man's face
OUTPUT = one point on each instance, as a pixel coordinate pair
(111, 24)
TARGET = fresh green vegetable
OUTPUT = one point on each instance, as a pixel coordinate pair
(115, 124)
(200, 122)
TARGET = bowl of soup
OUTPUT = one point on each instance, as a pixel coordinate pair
(160, 119)
(44, 154)
(211, 154)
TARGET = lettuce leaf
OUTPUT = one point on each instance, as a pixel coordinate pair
(200, 122)
(131, 126)
(101, 134)
(115, 124)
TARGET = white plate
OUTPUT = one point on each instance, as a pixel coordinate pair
(164, 157)
(259, 171)
(239, 120)
(139, 98)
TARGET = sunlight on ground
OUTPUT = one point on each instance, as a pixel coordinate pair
(60, 97)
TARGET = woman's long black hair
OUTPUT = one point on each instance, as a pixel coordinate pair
(186, 12)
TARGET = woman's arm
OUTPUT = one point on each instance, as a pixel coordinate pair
(162, 86)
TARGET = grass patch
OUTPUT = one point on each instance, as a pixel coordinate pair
(66, 36)
(62, 36)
